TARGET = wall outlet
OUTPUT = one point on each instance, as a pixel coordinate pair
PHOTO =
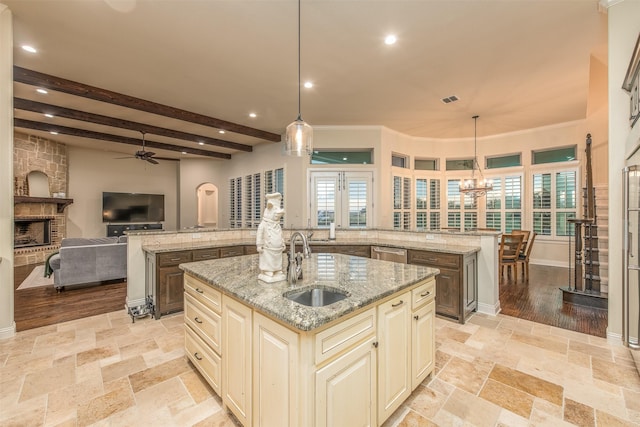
(196, 235)
(431, 237)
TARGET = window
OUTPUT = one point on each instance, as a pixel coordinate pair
(503, 210)
(554, 201)
(246, 196)
(459, 164)
(401, 203)
(504, 161)
(341, 157)
(553, 156)
(399, 160)
(427, 204)
(425, 164)
(462, 210)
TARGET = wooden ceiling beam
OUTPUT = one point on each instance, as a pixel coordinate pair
(34, 78)
(48, 127)
(68, 113)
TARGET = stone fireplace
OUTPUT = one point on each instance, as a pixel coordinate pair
(39, 222)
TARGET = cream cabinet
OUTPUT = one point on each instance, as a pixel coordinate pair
(394, 354)
(345, 389)
(236, 360)
(277, 369)
(423, 351)
(353, 371)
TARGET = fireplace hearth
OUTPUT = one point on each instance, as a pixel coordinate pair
(32, 232)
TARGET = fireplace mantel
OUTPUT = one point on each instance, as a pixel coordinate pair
(60, 202)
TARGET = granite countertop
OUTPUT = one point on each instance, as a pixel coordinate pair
(366, 281)
(426, 246)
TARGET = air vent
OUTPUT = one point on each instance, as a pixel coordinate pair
(449, 99)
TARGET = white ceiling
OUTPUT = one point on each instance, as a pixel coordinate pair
(518, 64)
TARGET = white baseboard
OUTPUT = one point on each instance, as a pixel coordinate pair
(550, 263)
(616, 339)
(489, 309)
(8, 332)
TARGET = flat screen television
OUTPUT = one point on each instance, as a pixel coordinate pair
(132, 207)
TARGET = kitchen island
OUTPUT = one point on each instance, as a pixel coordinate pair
(275, 361)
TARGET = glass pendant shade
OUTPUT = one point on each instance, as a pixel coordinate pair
(298, 138)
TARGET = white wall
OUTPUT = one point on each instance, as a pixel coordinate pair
(91, 172)
(7, 325)
(624, 28)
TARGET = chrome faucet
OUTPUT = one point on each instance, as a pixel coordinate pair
(294, 271)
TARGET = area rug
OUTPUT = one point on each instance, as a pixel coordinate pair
(36, 279)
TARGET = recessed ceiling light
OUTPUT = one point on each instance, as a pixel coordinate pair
(390, 39)
(344, 159)
(48, 115)
(29, 49)
(42, 91)
(253, 115)
(220, 131)
(200, 143)
(308, 85)
(53, 132)
(184, 152)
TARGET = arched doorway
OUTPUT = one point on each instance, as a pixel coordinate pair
(207, 194)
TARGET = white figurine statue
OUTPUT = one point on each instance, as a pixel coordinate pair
(269, 240)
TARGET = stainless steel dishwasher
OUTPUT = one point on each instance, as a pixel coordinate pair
(389, 254)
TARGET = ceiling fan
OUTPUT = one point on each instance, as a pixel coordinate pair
(146, 155)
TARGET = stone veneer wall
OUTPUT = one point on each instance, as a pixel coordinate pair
(33, 153)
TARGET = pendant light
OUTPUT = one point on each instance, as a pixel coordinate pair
(299, 135)
(473, 187)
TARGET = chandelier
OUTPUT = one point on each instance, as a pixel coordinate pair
(475, 187)
(299, 135)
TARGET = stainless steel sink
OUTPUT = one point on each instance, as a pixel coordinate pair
(316, 296)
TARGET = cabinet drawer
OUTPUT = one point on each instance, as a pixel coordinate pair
(203, 321)
(434, 259)
(423, 294)
(344, 335)
(204, 359)
(173, 258)
(204, 293)
(205, 254)
(231, 251)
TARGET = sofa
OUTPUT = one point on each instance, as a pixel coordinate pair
(89, 261)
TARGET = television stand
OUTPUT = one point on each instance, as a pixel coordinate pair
(115, 230)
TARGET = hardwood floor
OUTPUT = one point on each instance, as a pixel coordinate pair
(540, 301)
(45, 306)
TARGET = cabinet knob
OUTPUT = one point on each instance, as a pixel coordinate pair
(197, 320)
(375, 344)
(416, 317)
(398, 304)
(200, 291)
(196, 356)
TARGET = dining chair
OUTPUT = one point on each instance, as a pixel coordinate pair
(525, 239)
(524, 256)
(510, 247)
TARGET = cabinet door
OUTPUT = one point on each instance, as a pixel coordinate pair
(275, 368)
(423, 350)
(346, 389)
(394, 354)
(236, 358)
(170, 290)
(470, 284)
(448, 293)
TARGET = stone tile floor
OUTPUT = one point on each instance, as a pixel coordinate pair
(492, 371)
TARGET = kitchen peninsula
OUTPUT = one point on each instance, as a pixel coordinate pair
(153, 255)
(275, 361)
